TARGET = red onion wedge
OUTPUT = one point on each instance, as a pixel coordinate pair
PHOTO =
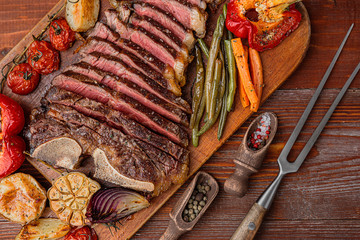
(112, 204)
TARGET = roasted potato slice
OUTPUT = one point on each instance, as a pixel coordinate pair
(44, 228)
(22, 198)
(82, 14)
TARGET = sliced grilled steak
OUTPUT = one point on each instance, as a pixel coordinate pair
(89, 88)
(127, 87)
(149, 42)
(119, 68)
(169, 22)
(115, 119)
(188, 15)
(96, 44)
(165, 164)
(126, 163)
(158, 30)
(175, 171)
(103, 31)
(41, 130)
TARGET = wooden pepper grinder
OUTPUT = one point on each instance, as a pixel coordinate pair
(248, 160)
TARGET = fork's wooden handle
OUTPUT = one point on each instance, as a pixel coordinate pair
(251, 223)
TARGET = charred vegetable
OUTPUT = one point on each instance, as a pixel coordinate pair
(81, 233)
(70, 195)
(23, 79)
(61, 35)
(264, 23)
(112, 204)
(12, 145)
(42, 57)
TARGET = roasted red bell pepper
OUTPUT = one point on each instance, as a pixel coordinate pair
(264, 23)
(12, 146)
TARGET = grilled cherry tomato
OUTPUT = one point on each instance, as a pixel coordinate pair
(82, 233)
(61, 36)
(23, 79)
(43, 57)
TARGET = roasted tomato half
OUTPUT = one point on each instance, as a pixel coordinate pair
(43, 57)
(81, 233)
(61, 36)
(23, 79)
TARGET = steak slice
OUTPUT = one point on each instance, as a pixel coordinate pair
(172, 170)
(115, 119)
(89, 88)
(158, 30)
(126, 163)
(103, 31)
(119, 68)
(127, 87)
(149, 42)
(188, 15)
(96, 44)
(166, 20)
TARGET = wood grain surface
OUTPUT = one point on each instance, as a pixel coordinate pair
(321, 200)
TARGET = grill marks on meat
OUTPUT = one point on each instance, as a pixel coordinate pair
(151, 26)
(115, 119)
(102, 31)
(190, 16)
(149, 42)
(89, 88)
(96, 44)
(126, 155)
(117, 67)
(150, 159)
(132, 90)
(167, 21)
(121, 101)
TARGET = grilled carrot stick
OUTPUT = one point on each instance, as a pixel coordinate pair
(256, 71)
(243, 97)
(244, 73)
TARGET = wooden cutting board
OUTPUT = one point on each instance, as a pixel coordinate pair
(278, 64)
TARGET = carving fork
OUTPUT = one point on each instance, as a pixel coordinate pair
(252, 221)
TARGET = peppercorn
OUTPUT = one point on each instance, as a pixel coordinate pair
(196, 202)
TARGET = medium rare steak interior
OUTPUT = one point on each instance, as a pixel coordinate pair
(121, 103)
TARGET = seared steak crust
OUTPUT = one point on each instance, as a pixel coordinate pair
(115, 119)
(96, 44)
(89, 88)
(132, 90)
(119, 68)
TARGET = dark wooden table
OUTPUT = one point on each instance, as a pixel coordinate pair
(322, 199)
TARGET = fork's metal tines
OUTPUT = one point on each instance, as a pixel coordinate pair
(268, 195)
(282, 160)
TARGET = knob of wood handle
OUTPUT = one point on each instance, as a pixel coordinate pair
(237, 183)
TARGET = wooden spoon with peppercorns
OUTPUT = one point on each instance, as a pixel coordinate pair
(203, 188)
(251, 152)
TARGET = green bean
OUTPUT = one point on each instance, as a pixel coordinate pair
(195, 137)
(203, 47)
(215, 87)
(232, 74)
(223, 113)
(229, 34)
(225, 10)
(219, 99)
(213, 52)
(198, 86)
